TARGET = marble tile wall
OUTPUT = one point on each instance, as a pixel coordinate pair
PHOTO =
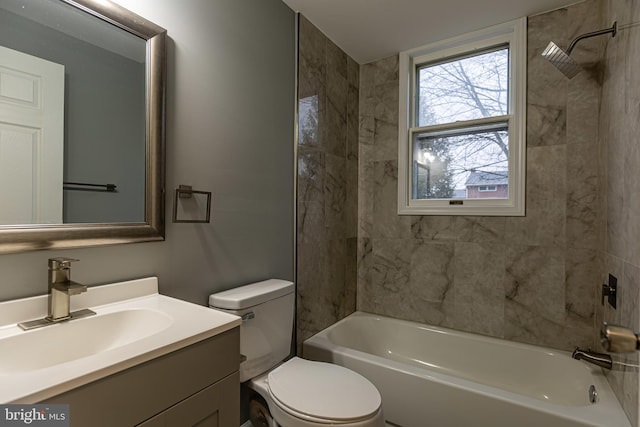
(531, 279)
(327, 197)
(620, 152)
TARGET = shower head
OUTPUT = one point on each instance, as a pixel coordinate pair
(562, 60)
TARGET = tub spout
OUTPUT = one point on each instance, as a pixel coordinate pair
(599, 359)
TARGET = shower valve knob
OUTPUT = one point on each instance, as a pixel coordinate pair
(618, 339)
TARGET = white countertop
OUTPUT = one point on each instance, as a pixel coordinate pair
(189, 323)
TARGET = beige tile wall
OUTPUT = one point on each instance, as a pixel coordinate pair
(620, 154)
(530, 279)
(534, 279)
(327, 183)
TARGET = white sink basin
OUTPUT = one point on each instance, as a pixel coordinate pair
(68, 341)
(133, 324)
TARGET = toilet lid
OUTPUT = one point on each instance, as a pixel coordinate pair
(323, 391)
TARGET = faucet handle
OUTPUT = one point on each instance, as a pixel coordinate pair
(60, 263)
(75, 288)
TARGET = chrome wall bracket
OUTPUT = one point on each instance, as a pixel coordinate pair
(184, 195)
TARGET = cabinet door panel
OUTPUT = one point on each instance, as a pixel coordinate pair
(216, 405)
(139, 393)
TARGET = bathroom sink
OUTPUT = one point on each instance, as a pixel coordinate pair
(68, 341)
(133, 324)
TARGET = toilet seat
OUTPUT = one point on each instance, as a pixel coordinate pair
(322, 392)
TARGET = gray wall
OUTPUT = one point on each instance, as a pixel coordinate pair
(229, 131)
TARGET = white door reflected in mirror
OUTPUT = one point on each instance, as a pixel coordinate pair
(31, 139)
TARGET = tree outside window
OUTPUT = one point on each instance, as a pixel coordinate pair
(461, 89)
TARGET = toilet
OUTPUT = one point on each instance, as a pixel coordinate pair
(294, 392)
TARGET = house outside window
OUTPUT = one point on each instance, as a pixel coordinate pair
(462, 124)
(481, 185)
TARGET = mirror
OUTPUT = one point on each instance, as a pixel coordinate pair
(82, 101)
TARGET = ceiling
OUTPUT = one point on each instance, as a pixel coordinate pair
(368, 30)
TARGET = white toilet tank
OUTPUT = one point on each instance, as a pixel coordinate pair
(267, 309)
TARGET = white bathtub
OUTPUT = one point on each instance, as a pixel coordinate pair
(436, 377)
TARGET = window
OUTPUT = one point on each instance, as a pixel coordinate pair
(462, 133)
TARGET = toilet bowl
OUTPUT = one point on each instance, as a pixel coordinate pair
(296, 392)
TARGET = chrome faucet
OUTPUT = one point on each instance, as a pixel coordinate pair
(61, 287)
(599, 359)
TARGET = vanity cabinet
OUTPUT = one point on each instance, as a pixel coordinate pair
(198, 385)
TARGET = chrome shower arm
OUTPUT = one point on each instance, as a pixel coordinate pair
(613, 30)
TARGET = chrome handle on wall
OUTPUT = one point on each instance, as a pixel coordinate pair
(618, 339)
(609, 291)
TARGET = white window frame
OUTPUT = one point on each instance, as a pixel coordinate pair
(513, 34)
